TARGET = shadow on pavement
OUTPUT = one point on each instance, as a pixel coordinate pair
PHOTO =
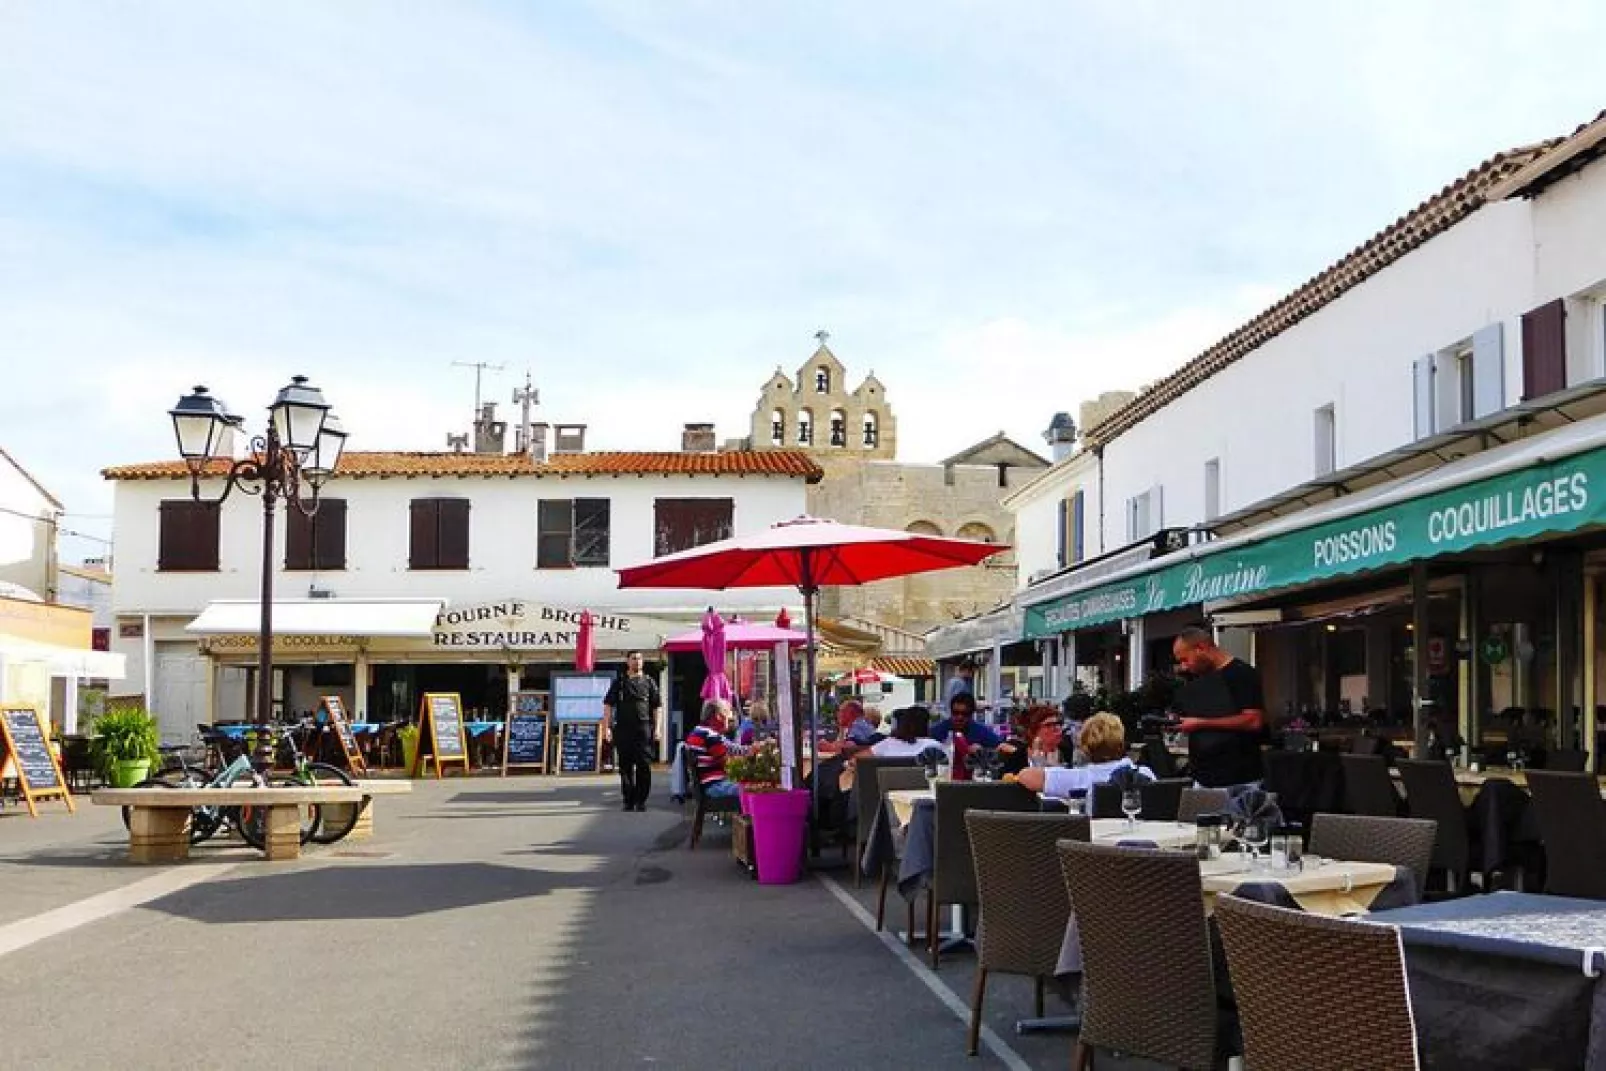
(347, 892)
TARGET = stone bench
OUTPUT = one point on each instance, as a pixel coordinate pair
(159, 822)
(364, 829)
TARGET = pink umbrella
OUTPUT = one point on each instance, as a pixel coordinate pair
(716, 685)
(585, 645)
(739, 636)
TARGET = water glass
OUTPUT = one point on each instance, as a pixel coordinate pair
(1131, 806)
(1256, 834)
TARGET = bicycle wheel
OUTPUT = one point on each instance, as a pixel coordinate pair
(253, 821)
(149, 782)
(337, 819)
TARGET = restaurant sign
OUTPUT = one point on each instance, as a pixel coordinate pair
(1561, 496)
(514, 624)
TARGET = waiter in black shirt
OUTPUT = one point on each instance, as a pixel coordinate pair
(1224, 712)
(629, 716)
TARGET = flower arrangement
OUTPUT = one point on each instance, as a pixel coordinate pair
(758, 771)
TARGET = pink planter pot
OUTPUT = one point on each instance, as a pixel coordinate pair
(780, 820)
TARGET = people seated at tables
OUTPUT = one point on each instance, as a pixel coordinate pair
(1103, 743)
(708, 744)
(1037, 732)
(910, 737)
(855, 730)
(962, 719)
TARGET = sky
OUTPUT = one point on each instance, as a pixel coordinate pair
(1000, 209)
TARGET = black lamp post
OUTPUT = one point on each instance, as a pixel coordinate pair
(302, 445)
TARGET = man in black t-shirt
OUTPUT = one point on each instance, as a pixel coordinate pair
(629, 717)
(1224, 712)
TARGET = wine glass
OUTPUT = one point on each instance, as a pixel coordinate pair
(1256, 834)
(1131, 806)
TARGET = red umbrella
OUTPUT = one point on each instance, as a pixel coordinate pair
(585, 645)
(716, 685)
(807, 553)
(783, 619)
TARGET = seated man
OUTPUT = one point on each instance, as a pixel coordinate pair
(1103, 742)
(708, 745)
(962, 719)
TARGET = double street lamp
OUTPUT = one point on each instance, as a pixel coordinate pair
(300, 448)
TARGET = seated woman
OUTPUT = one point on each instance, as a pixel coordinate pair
(1103, 742)
(908, 740)
(709, 746)
(1037, 732)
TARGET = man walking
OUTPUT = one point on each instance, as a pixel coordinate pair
(629, 716)
(1224, 712)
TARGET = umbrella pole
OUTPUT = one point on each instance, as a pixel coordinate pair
(809, 591)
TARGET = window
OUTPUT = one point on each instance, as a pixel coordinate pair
(822, 381)
(1326, 425)
(572, 533)
(805, 428)
(189, 537)
(439, 534)
(1212, 489)
(1145, 514)
(1466, 381)
(1544, 350)
(777, 428)
(317, 542)
(682, 523)
(839, 428)
(1071, 549)
(871, 436)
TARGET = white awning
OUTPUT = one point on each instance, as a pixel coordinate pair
(321, 617)
(76, 662)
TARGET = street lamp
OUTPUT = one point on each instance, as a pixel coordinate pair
(303, 442)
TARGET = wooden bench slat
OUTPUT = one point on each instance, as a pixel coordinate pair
(165, 798)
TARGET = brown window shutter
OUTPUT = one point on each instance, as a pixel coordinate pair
(592, 531)
(452, 536)
(554, 533)
(298, 538)
(167, 547)
(188, 540)
(1544, 350)
(329, 535)
(206, 532)
(423, 552)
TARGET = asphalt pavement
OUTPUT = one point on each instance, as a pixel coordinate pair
(490, 923)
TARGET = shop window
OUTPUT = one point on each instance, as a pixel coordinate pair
(439, 535)
(572, 533)
(317, 542)
(188, 541)
(682, 523)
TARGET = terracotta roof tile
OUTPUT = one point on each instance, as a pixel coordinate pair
(1427, 220)
(785, 463)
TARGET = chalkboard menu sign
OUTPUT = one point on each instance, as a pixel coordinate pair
(25, 741)
(579, 747)
(440, 732)
(335, 708)
(578, 696)
(524, 736)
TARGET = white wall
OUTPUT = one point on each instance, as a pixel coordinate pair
(27, 534)
(1036, 510)
(1257, 416)
(502, 537)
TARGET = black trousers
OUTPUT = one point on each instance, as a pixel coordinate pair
(632, 756)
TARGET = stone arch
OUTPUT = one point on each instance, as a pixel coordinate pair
(872, 430)
(839, 428)
(822, 380)
(978, 531)
(923, 528)
(805, 427)
(778, 427)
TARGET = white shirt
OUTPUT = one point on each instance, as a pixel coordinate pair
(1062, 781)
(893, 748)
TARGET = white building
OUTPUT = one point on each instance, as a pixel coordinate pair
(1463, 344)
(423, 572)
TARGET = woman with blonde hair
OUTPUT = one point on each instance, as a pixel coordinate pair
(1103, 742)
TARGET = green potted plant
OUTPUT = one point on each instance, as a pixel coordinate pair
(124, 746)
(408, 735)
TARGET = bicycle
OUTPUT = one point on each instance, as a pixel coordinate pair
(336, 821)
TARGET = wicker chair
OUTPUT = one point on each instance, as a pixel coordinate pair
(1104, 801)
(1024, 908)
(1147, 985)
(1368, 788)
(891, 779)
(1197, 801)
(1315, 993)
(953, 875)
(1572, 823)
(1567, 760)
(706, 804)
(867, 800)
(1363, 839)
(1431, 792)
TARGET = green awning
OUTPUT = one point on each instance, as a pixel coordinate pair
(1540, 495)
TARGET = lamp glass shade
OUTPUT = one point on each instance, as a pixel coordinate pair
(298, 415)
(201, 424)
(326, 455)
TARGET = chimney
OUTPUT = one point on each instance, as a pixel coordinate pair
(456, 443)
(569, 439)
(537, 443)
(490, 434)
(1061, 436)
(698, 439)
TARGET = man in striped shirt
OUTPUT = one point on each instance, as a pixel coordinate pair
(709, 746)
